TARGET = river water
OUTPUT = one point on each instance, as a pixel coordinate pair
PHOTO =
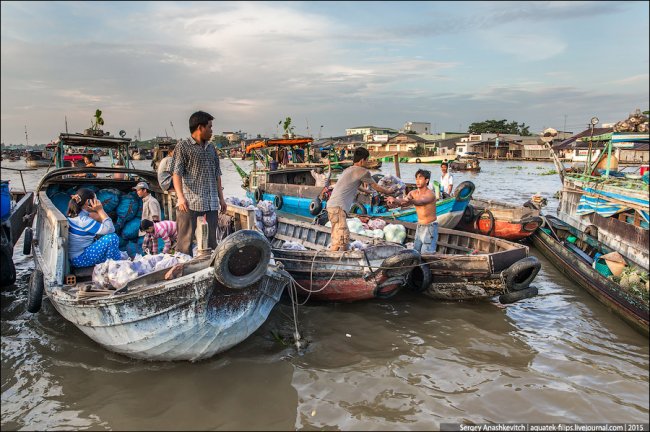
(407, 363)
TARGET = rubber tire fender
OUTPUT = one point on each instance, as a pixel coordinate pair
(520, 275)
(418, 160)
(315, 206)
(35, 291)
(278, 202)
(358, 206)
(464, 191)
(420, 278)
(27, 241)
(515, 296)
(321, 218)
(235, 256)
(531, 220)
(490, 231)
(8, 276)
(404, 261)
(258, 195)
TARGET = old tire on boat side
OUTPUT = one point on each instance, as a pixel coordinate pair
(464, 191)
(480, 217)
(520, 275)
(512, 297)
(402, 263)
(321, 218)
(241, 259)
(420, 278)
(27, 242)
(278, 202)
(358, 208)
(35, 291)
(418, 160)
(258, 195)
(315, 206)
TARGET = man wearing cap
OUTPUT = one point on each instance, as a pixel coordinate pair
(196, 175)
(150, 205)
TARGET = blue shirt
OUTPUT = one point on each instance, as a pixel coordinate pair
(82, 232)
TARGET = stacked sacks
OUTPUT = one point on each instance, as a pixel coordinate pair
(268, 222)
(117, 274)
(395, 233)
(390, 181)
(128, 208)
(636, 122)
(61, 201)
(241, 202)
(110, 198)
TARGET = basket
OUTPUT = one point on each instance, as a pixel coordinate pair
(602, 268)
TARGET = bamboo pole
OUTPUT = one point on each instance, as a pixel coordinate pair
(396, 160)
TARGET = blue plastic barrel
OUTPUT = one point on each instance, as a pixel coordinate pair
(273, 166)
(5, 200)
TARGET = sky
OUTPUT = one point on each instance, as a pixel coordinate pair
(327, 65)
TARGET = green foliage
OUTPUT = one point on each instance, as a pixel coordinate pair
(419, 150)
(99, 121)
(219, 140)
(288, 129)
(499, 126)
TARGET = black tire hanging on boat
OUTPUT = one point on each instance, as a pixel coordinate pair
(490, 231)
(27, 241)
(402, 263)
(418, 160)
(258, 195)
(358, 208)
(515, 296)
(520, 275)
(464, 191)
(315, 206)
(241, 259)
(278, 202)
(321, 218)
(8, 272)
(35, 291)
(420, 278)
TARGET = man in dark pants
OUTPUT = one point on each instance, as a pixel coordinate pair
(196, 175)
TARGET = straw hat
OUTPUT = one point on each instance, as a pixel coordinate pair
(615, 262)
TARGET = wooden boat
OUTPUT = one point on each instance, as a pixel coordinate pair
(189, 312)
(465, 163)
(294, 191)
(38, 159)
(376, 272)
(499, 219)
(427, 159)
(572, 251)
(469, 266)
(13, 221)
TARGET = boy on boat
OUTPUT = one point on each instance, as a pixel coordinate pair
(343, 195)
(165, 230)
(446, 180)
(424, 200)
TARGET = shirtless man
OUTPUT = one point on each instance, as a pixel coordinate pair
(424, 200)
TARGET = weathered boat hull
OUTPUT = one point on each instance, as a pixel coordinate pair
(189, 318)
(499, 219)
(612, 295)
(11, 229)
(336, 276)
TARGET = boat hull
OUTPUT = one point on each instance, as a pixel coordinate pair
(500, 220)
(189, 318)
(612, 295)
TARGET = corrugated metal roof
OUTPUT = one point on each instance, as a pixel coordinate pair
(569, 143)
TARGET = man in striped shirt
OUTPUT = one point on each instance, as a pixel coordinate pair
(165, 230)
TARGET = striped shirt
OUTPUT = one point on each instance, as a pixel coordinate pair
(165, 230)
(82, 232)
(198, 166)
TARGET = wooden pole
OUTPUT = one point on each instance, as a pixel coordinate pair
(396, 160)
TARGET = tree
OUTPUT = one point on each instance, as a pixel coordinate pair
(219, 141)
(499, 126)
(288, 129)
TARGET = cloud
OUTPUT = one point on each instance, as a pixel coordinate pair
(634, 80)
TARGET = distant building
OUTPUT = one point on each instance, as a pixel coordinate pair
(369, 132)
(417, 127)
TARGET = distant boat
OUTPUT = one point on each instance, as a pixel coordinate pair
(38, 158)
(427, 159)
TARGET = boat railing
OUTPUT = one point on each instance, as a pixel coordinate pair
(20, 170)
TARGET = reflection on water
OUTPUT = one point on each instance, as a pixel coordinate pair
(405, 363)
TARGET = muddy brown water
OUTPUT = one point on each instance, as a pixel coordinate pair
(407, 363)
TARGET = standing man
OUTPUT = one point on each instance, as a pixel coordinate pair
(343, 195)
(150, 205)
(196, 175)
(424, 200)
(164, 173)
(446, 180)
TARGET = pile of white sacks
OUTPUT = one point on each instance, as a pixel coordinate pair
(266, 218)
(118, 273)
(376, 228)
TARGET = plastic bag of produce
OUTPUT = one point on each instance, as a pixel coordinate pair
(131, 229)
(355, 225)
(293, 246)
(233, 201)
(376, 224)
(245, 202)
(270, 220)
(120, 273)
(267, 207)
(395, 233)
(390, 181)
(100, 275)
(259, 225)
(166, 262)
(110, 198)
(270, 231)
(358, 245)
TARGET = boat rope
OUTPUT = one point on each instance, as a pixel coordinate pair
(340, 264)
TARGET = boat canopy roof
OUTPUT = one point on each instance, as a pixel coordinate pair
(80, 140)
(301, 142)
